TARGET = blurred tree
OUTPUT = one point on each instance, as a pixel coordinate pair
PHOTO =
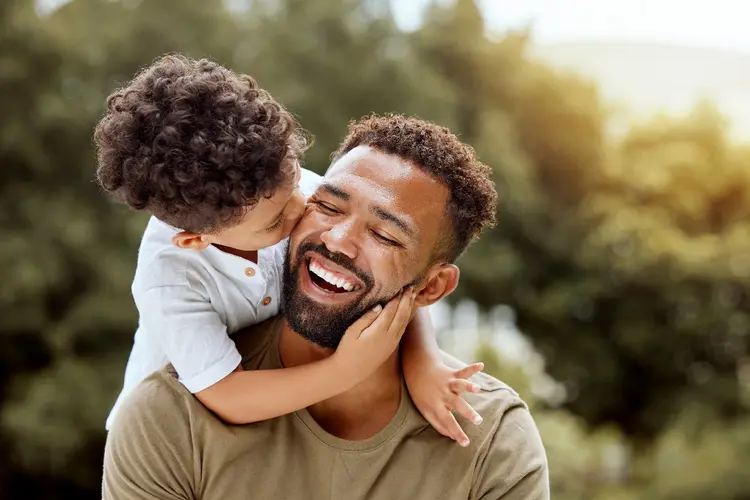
(68, 319)
(624, 262)
(67, 323)
(332, 61)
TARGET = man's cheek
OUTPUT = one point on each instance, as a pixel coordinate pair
(391, 269)
(311, 222)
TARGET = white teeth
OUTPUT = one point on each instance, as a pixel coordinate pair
(330, 278)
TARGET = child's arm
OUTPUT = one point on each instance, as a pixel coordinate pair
(435, 388)
(250, 396)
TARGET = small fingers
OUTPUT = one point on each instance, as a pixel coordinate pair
(465, 410)
(454, 430)
(404, 312)
(385, 317)
(459, 386)
(435, 422)
(470, 370)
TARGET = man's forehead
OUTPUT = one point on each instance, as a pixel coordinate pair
(383, 170)
(362, 157)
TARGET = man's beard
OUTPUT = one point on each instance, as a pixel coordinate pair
(322, 325)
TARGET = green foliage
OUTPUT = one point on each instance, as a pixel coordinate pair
(625, 260)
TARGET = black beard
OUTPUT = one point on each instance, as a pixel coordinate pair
(321, 325)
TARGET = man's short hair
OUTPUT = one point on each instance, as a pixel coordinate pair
(195, 144)
(473, 199)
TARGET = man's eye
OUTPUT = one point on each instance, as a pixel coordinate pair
(327, 208)
(385, 240)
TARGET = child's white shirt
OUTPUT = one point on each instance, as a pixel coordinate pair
(189, 302)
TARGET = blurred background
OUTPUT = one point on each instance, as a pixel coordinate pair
(613, 294)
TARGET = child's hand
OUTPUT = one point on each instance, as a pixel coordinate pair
(436, 390)
(375, 336)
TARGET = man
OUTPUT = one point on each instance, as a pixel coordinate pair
(401, 201)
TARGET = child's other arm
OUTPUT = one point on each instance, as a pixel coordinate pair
(435, 388)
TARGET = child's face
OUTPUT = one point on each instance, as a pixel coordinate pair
(269, 221)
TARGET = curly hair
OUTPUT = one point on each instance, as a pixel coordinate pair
(195, 144)
(473, 199)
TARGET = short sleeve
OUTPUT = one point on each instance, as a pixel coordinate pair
(148, 454)
(191, 333)
(515, 465)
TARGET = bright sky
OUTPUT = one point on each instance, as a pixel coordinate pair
(695, 23)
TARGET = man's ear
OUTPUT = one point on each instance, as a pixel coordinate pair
(439, 281)
(192, 241)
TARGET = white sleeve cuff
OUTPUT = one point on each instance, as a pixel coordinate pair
(214, 373)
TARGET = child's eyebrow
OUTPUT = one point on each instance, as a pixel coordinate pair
(276, 219)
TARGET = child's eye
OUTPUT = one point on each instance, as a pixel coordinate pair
(276, 225)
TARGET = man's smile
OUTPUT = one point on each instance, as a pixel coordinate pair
(326, 282)
(328, 276)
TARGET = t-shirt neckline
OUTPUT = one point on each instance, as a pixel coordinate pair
(382, 437)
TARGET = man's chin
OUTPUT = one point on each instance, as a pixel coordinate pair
(323, 326)
(320, 318)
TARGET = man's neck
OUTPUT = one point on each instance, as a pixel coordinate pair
(362, 411)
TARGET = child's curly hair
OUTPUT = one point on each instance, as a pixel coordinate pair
(195, 144)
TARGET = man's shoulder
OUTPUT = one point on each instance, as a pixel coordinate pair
(157, 400)
(511, 456)
(255, 341)
(506, 416)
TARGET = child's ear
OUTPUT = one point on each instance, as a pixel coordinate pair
(192, 241)
(439, 281)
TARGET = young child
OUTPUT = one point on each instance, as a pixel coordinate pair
(215, 161)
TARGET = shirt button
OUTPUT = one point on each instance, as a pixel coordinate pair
(266, 301)
(249, 272)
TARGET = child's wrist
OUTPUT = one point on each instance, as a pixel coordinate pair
(344, 371)
(417, 364)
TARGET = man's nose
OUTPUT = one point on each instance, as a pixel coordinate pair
(340, 239)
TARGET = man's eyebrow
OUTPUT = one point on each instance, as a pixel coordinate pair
(337, 192)
(395, 219)
(382, 213)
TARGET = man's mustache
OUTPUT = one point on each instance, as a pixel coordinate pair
(337, 258)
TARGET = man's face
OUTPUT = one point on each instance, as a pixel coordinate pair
(368, 231)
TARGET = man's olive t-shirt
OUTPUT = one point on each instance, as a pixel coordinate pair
(166, 445)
